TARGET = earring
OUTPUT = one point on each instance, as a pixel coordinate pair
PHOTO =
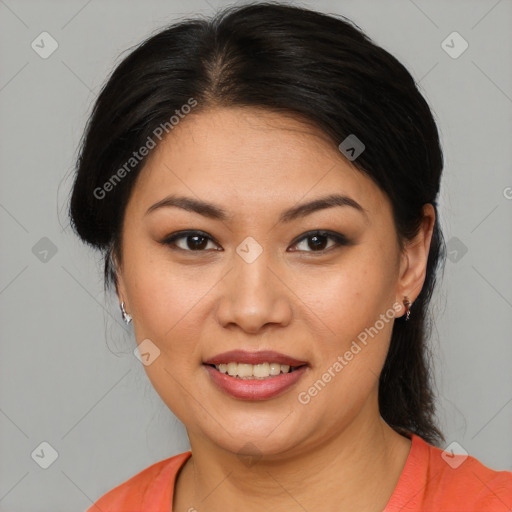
(126, 317)
(407, 306)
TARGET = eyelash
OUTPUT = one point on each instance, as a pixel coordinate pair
(339, 239)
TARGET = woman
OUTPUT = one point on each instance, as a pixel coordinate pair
(263, 186)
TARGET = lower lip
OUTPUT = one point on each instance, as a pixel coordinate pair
(255, 389)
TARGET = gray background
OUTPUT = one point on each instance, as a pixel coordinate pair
(68, 375)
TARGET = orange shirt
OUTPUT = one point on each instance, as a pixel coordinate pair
(428, 483)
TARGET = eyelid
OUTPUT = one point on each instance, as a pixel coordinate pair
(170, 239)
(339, 238)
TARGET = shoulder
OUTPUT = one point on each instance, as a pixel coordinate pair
(149, 487)
(461, 482)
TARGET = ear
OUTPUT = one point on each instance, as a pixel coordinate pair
(119, 282)
(413, 264)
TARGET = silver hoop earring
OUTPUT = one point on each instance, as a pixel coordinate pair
(126, 317)
(407, 305)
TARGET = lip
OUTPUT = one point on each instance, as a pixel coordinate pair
(255, 389)
(262, 356)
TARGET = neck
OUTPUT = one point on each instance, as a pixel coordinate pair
(357, 469)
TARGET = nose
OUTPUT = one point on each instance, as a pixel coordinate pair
(254, 296)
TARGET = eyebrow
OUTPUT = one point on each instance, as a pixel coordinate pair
(215, 212)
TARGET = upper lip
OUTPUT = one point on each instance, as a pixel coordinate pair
(262, 356)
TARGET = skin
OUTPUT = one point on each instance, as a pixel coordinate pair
(336, 452)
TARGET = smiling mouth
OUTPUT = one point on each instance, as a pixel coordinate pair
(260, 371)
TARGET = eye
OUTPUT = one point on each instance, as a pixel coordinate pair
(318, 240)
(195, 241)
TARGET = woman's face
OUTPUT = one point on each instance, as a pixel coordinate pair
(254, 281)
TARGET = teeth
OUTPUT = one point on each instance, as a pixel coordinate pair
(253, 371)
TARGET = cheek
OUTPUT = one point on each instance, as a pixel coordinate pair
(355, 303)
(166, 300)
(350, 295)
(349, 308)
(167, 306)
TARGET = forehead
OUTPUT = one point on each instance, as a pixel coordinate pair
(250, 158)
